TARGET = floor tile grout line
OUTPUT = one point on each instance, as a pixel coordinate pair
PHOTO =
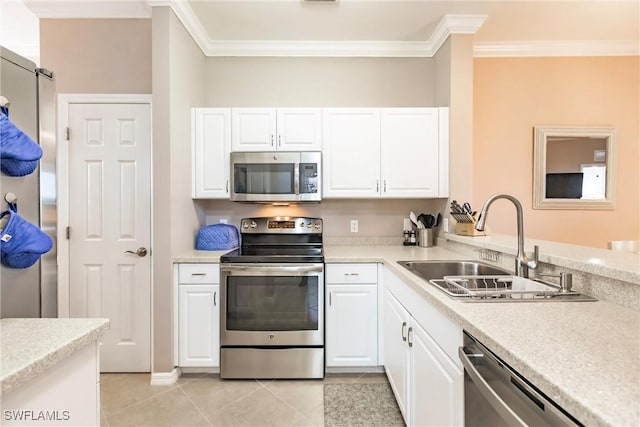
(140, 401)
(196, 406)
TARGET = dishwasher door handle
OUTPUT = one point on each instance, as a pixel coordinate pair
(489, 393)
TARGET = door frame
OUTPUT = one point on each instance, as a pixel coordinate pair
(62, 188)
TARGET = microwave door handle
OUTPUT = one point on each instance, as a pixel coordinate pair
(296, 178)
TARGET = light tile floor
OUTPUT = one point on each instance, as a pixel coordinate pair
(206, 400)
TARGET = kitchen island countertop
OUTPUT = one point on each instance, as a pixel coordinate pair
(30, 346)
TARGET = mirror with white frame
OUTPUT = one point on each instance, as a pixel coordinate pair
(574, 168)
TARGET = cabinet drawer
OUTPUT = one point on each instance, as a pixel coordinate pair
(199, 273)
(351, 273)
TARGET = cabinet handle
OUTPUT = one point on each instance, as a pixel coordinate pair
(385, 186)
(272, 140)
(351, 274)
(214, 298)
(377, 185)
(198, 274)
(409, 335)
(329, 299)
(404, 325)
(279, 141)
(227, 186)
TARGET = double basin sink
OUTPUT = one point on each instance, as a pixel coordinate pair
(474, 281)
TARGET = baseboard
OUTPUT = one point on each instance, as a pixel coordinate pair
(354, 369)
(165, 378)
(198, 370)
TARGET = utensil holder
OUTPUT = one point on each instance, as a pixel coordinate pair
(425, 237)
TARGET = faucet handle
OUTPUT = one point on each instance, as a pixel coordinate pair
(532, 263)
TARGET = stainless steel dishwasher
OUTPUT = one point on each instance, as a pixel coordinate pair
(496, 395)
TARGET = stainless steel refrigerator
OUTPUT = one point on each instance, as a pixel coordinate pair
(31, 292)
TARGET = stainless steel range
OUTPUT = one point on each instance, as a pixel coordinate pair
(272, 301)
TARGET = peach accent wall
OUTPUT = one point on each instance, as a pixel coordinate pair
(97, 55)
(511, 96)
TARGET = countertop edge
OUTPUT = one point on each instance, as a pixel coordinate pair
(38, 365)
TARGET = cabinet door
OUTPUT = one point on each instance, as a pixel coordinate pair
(299, 129)
(199, 331)
(351, 152)
(396, 351)
(437, 397)
(211, 144)
(409, 152)
(352, 325)
(254, 129)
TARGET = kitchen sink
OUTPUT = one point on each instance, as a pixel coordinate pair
(473, 281)
(429, 270)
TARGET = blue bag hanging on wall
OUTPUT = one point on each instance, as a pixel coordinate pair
(19, 154)
(21, 243)
(217, 237)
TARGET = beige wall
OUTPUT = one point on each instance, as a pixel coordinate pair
(320, 82)
(512, 95)
(178, 84)
(97, 55)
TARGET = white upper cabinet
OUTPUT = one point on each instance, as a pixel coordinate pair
(281, 129)
(388, 152)
(211, 145)
(409, 152)
(351, 152)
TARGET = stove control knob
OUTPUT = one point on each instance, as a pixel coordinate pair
(253, 224)
(245, 224)
(317, 224)
(309, 224)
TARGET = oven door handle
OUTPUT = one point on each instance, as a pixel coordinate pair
(487, 391)
(315, 268)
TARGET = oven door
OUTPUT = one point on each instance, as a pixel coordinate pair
(272, 305)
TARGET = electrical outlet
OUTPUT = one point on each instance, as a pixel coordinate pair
(354, 225)
(445, 225)
(224, 221)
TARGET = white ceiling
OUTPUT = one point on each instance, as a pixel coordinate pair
(343, 27)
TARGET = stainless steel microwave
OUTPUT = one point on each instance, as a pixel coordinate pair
(276, 176)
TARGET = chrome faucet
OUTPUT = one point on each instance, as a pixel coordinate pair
(523, 262)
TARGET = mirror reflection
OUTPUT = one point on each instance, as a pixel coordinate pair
(574, 168)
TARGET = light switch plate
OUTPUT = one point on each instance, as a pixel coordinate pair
(354, 225)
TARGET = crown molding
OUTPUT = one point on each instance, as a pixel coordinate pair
(449, 24)
(103, 9)
(557, 48)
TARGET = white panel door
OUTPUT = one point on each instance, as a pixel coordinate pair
(409, 152)
(109, 215)
(199, 318)
(352, 325)
(253, 129)
(211, 146)
(351, 152)
(437, 395)
(299, 129)
(396, 322)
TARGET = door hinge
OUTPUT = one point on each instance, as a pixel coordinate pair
(68, 132)
(68, 233)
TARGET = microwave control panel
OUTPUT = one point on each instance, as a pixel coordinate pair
(308, 178)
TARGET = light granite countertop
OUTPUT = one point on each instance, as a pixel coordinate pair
(583, 355)
(30, 346)
(623, 266)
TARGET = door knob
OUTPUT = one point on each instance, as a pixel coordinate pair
(141, 252)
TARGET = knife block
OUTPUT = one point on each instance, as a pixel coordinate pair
(467, 229)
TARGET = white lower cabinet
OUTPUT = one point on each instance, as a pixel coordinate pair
(199, 315)
(351, 315)
(427, 383)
